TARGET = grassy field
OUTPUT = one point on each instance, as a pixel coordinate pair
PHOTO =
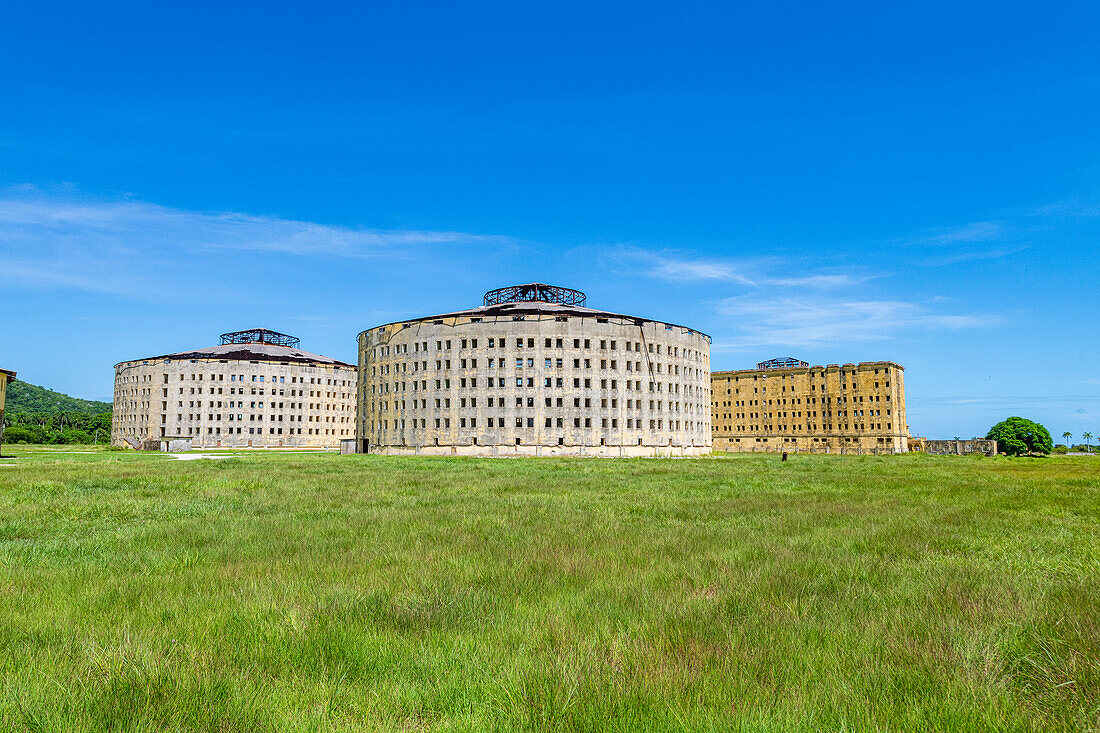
(324, 593)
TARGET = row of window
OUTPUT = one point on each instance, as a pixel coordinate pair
(838, 439)
(270, 431)
(813, 388)
(529, 363)
(529, 402)
(241, 390)
(253, 417)
(548, 343)
(200, 376)
(812, 374)
(379, 426)
(529, 382)
(798, 401)
(251, 431)
(809, 413)
(316, 406)
(809, 427)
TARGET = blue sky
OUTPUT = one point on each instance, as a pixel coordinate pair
(919, 184)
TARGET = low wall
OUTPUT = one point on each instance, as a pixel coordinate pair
(960, 447)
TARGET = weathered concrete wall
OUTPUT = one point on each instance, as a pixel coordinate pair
(841, 409)
(960, 447)
(537, 385)
(234, 404)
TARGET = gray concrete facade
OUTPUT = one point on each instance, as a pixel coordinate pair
(235, 396)
(534, 379)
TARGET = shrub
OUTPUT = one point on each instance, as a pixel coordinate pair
(21, 434)
(1018, 436)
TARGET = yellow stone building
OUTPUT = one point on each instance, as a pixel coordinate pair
(6, 376)
(788, 405)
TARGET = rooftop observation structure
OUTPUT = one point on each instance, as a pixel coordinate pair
(532, 301)
(535, 292)
(261, 336)
(783, 362)
(252, 345)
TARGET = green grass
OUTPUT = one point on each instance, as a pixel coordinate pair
(356, 593)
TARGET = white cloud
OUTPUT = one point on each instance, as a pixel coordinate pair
(950, 246)
(971, 256)
(758, 273)
(978, 231)
(817, 281)
(807, 321)
(677, 267)
(65, 241)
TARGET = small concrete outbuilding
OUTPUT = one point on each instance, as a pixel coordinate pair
(6, 375)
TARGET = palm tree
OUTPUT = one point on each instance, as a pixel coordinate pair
(1067, 435)
(1087, 437)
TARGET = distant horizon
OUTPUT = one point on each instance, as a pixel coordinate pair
(910, 184)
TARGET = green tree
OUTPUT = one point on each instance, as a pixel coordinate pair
(21, 434)
(1019, 436)
(59, 427)
(1068, 436)
(70, 436)
(1087, 437)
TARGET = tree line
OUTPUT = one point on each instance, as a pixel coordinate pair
(57, 427)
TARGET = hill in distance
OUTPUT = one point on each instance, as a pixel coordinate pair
(24, 397)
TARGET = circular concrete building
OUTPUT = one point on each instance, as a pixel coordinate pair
(256, 389)
(534, 372)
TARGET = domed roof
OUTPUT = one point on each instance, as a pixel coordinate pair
(258, 344)
(536, 299)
